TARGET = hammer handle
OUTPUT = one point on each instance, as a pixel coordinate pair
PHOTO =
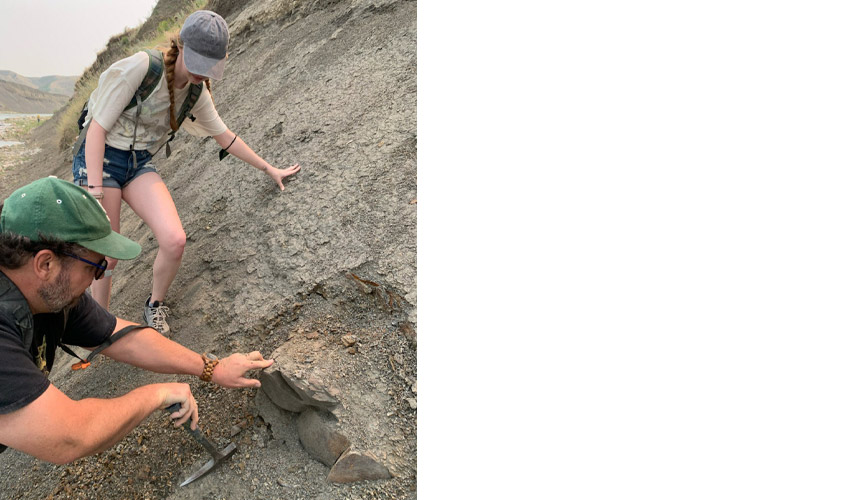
(195, 433)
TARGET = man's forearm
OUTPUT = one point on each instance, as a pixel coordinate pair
(107, 421)
(58, 429)
(147, 349)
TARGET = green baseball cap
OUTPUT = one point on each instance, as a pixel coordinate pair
(58, 208)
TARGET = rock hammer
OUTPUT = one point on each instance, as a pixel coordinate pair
(217, 456)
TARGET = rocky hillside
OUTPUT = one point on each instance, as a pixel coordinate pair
(18, 98)
(52, 84)
(323, 274)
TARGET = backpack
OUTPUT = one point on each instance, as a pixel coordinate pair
(149, 83)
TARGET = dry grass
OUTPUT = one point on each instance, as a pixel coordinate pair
(67, 120)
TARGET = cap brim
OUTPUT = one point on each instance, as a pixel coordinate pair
(114, 245)
(202, 65)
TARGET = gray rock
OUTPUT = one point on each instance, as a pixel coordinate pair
(293, 394)
(356, 466)
(281, 394)
(317, 431)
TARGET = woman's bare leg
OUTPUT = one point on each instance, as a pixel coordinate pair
(102, 288)
(148, 196)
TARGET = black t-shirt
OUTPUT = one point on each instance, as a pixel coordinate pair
(21, 378)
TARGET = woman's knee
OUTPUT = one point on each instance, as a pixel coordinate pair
(173, 243)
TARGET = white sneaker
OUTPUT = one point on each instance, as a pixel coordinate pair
(154, 316)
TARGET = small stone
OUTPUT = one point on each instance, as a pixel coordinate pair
(235, 430)
(313, 335)
(348, 340)
(411, 402)
(355, 466)
(318, 433)
(399, 359)
(352, 350)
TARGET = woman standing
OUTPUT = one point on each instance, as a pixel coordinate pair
(113, 162)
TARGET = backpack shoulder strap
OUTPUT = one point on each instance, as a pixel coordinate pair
(84, 363)
(151, 79)
(149, 83)
(14, 305)
(189, 103)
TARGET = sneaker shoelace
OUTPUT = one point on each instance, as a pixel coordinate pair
(158, 316)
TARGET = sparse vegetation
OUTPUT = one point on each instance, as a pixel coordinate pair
(165, 25)
(21, 127)
(67, 118)
(17, 129)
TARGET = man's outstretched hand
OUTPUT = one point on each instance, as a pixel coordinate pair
(230, 371)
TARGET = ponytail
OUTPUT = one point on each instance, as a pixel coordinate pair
(170, 60)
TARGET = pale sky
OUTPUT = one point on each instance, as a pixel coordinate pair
(62, 37)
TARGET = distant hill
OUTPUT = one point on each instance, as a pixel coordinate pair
(53, 84)
(15, 97)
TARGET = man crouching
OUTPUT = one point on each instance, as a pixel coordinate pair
(54, 238)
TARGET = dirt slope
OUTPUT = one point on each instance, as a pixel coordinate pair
(331, 85)
(19, 98)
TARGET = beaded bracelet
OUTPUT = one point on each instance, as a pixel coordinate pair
(210, 363)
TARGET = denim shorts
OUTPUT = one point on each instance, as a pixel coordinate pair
(118, 168)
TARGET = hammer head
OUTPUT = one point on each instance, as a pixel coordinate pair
(212, 464)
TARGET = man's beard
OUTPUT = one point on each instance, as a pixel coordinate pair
(58, 295)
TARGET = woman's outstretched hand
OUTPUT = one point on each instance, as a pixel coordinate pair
(278, 174)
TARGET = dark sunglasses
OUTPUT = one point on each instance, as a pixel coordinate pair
(101, 266)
